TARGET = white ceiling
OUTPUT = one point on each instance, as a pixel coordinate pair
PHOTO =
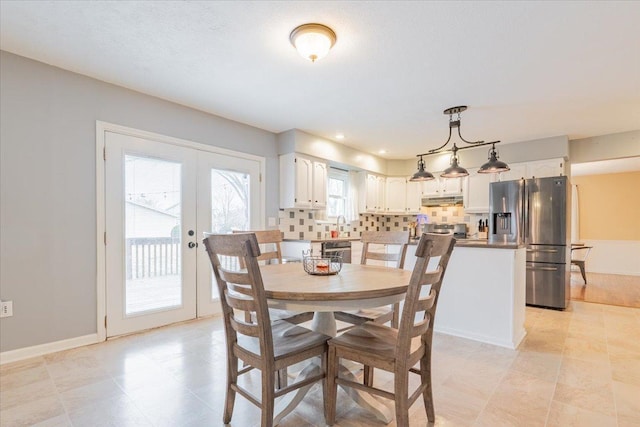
(526, 70)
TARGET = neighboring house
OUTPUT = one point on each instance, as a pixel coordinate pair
(145, 221)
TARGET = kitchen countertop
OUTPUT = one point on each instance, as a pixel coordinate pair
(484, 243)
(465, 243)
(328, 239)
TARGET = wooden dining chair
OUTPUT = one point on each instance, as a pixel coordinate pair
(579, 256)
(378, 238)
(264, 345)
(271, 239)
(398, 350)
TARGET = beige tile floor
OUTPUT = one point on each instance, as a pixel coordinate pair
(580, 367)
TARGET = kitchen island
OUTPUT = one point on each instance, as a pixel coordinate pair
(483, 293)
(484, 290)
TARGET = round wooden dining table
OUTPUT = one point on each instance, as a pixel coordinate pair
(289, 287)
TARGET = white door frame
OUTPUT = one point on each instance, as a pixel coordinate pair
(101, 129)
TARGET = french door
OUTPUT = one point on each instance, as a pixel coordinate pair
(159, 199)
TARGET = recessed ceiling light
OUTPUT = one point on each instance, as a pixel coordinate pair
(340, 136)
(382, 152)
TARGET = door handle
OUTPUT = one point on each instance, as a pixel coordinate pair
(192, 245)
(542, 268)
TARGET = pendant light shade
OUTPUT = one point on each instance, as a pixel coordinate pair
(313, 41)
(455, 170)
(494, 165)
(422, 174)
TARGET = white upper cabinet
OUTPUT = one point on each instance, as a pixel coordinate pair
(535, 169)
(320, 180)
(372, 193)
(303, 182)
(545, 168)
(396, 195)
(450, 186)
(414, 196)
(476, 191)
(517, 171)
(431, 187)
(442, 186)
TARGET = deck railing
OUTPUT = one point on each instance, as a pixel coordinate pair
(159, 256)
(152, 257)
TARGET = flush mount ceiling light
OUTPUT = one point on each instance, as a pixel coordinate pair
(313, 41)
(455, 170)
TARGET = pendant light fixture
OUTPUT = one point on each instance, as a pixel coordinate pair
(455, 170)
(313, 41)
(422, 174)
(494, 165)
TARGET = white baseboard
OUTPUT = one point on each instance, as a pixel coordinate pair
(511, 344)
(52, 347)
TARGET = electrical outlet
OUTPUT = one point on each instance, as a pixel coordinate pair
(6, 309)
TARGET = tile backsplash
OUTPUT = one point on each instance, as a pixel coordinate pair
(302, 224)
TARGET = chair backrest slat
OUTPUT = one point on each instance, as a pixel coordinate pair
(399, 238)
(234, 277)
(266, 238)
(244, 328)
(411, 323)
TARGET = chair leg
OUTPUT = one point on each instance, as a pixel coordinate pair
(325, 385)
(401, 391)
(427, 393)
(367, 376)
(268, 390)
(582, 271)
(232, 378)
(332, 386)
(395, 322)
(282, 379)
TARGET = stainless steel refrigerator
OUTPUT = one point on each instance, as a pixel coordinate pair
(534, 212)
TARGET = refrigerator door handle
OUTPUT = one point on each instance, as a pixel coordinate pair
(529, 267)
(525, 216)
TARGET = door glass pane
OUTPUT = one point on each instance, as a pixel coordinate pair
(229, 209)
(153, 236)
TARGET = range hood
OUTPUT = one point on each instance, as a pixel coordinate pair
(442, 201)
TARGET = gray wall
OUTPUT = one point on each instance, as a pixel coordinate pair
(47, 188)
(605, 147)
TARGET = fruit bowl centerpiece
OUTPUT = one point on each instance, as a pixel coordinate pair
(322, 265)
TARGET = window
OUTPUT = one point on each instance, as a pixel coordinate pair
(338, 191)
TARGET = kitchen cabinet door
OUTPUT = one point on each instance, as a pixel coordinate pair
(545, 168)
(396, 195)
(304, 179)
(371, 198)
(432, 187)
(517, 171)
(450, 186)
(414, 196)
(476, 191)
(371, 194)
(381, 193)
(303, 182)
(319, 191)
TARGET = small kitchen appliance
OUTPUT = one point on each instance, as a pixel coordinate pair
(534, 212)
(459, 231)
